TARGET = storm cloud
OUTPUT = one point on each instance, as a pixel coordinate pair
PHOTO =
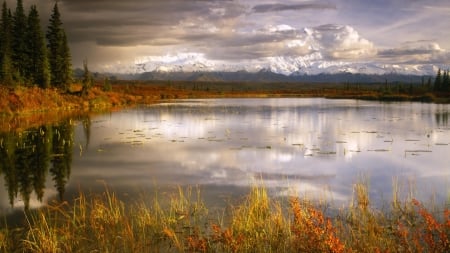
(293, 7)
(117, 32)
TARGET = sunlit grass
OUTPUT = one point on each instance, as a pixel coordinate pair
(180, 222)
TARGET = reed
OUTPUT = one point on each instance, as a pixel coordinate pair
(180, 222)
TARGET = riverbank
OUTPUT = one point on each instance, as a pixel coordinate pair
(182, 223)
(23, 107)
(26, 100)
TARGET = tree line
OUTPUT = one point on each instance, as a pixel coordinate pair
(27, 158)
(442, 81)
(27, 56)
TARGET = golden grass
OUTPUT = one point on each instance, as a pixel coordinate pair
(103, 223)
(21, 100)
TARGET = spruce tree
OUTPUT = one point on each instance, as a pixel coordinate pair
(446, 81)
(19, 46)
(66, 67)
(5, 47)
(2, 35)
(58, 50)
(37, 68)
(87, 79)
(438, 81)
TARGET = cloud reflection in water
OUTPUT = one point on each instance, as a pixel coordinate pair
(293, 145)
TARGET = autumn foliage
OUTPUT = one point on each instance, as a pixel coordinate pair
(103, 223)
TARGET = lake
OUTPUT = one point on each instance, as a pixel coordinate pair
(315, 147)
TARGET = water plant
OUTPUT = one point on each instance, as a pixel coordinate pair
(180, 222)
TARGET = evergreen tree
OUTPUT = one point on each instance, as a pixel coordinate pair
(107, 84)
(429, 84)
(19, 46)
(67, 60)
(446, 81)
(58, 50)
(438, 81)
(37, 68)
(2, 34)
(5, 46)
(87, 79)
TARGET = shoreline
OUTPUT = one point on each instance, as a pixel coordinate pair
(24, 107)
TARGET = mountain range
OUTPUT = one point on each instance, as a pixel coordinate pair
(310, 68)
(312, 64)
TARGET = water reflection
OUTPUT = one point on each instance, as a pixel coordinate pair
(442, 118)
(306, 146)
(28, 157)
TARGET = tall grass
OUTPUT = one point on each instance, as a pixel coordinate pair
(182, 223)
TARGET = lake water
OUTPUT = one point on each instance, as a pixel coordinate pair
(313, 147)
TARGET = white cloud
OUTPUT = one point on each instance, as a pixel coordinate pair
(416, 52)
(343, 42)
(253, 30)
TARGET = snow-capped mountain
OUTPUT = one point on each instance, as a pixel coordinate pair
(309, 65)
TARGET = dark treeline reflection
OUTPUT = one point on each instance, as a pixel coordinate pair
(442, 118)
(26, 158)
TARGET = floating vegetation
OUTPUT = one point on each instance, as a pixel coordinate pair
(57, 155)
(418, 151)
(441, 144)
(326, 153)
(411, 140)
(341, 142)
(216, 140)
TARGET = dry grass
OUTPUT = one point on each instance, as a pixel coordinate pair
(21, 100)
(103, 223)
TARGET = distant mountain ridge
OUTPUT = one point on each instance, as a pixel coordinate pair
(268, 76)
(311, 68)
(312, 64)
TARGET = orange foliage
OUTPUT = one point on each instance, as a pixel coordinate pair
(226, 238)
(313, 233)
(427, 234)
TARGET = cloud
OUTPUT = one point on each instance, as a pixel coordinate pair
(252, 29)
(310, 5)
(423, 52)
(343, 42)
(125, 22)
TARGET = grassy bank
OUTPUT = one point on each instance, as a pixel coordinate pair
(182, 223)
(25, 107)
(28, 100)
(23, 100)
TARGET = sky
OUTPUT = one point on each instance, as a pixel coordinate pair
(111, 33)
